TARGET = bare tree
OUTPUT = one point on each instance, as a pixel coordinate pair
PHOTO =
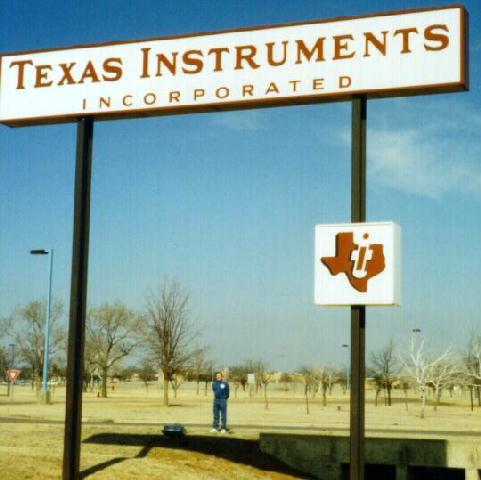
(176, 381)
(385, 368)
(405, 385)
(342, 375)
(28, 332)
(326, 377)
(472, 366)
(421, 368)
(147, 372)
(91, 375)
(169, 331)
(265, 378)
(208, 376)
(238, 376)
(443, 374)
(310, 383)
(319, 379)
(111, 335)
(200, 365)
(4, 360)
(5, 325)
(286, 379)
(4, 363)
(262, 376)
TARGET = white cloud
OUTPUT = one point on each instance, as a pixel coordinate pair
(243, 120)
(425, 146)
(415, 162)
(455, 114)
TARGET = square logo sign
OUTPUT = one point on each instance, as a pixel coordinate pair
(358, 264)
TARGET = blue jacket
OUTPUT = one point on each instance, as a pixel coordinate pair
(220, 389)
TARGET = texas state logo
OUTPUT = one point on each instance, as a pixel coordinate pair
(357, 264)
(358, 261)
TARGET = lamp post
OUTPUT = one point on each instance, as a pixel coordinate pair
(348, 369)
(45, 393)
(413, 333)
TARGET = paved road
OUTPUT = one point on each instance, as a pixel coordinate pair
(234, 427)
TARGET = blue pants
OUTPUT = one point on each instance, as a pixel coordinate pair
(220, 409)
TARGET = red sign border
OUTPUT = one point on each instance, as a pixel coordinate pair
(17, 374)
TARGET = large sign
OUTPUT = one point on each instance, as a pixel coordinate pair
(358, 264)
(397, 53)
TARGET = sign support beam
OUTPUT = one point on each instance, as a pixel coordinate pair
(358, 312)
(78, 300)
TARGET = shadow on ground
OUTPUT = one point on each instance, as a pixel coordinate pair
(234, 450)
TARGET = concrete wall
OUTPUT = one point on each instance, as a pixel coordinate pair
(322, 456)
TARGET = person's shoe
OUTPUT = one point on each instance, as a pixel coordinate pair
(223, 430)
(213, 430)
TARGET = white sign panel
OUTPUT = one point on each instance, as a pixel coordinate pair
(358, 264)
(400, 53)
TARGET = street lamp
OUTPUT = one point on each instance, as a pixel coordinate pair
(414, 331)
(45, 394)
(348, 369)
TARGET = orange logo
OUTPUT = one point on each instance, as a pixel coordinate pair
(359, 262)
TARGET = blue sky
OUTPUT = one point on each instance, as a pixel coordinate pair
(227, 202)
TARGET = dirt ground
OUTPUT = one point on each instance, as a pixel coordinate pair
(34, 451)
(122, 435)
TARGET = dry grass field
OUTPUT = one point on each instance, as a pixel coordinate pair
(122, 435)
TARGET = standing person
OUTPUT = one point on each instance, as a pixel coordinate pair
(221, 394)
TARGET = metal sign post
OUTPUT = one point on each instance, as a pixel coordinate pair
(358, 312)
(78, 300)
(12, 377)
